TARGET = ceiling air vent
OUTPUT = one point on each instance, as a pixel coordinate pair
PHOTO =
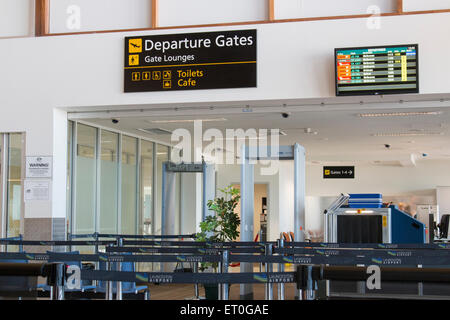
(156, 131)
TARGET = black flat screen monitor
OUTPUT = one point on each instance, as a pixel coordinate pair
(377, 70)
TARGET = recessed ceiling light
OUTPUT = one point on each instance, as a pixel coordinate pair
(189, 120)
(406, 134)
(269, 132)
(158, 131)
(244, 138)
(220, 150)
(416, 130)
(310, 131)
(259, 135)
(400, 114)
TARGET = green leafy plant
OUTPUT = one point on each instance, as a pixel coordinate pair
(223, 226)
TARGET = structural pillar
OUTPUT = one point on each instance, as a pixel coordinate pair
(299, 192)
(247, 212)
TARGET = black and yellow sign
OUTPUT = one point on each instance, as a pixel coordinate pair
(331, 172)
(213, 60)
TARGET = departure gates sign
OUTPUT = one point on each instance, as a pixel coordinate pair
(213, 60)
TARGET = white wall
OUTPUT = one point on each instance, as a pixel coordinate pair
(443, 199)
(39, 127)
(419, 5)
(391, 181)
(291, 9)
(87, 15)
(59, 162)
(189, 205)
(285, 197)
(16, 18)
(74, 65)
(193, 12)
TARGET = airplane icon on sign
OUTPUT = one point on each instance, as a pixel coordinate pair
(135, 46)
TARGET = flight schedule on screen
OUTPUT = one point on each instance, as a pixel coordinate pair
(377, 70)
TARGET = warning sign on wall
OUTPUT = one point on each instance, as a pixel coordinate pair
(39, 167)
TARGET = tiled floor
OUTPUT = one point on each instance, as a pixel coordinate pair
(186, 291)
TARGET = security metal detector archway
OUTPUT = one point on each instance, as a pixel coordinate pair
(282, 153)
(169, 172)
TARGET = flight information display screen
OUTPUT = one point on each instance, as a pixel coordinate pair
(377, 70)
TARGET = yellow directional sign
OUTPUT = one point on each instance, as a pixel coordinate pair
(146, 75)
(135, 45)
(136, 76)
(156, 75)
(133, 60)
(334, 172)
(203, 60)
(167, 84)
(167, 74)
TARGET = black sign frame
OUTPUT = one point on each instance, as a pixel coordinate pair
(191, 61)
(339, 172)
(340, 93)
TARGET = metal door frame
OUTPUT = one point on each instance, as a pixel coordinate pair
(3, 182)
(4, 173)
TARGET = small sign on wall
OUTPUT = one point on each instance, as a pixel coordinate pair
(339, 172)
(36, 190)
(39, 167)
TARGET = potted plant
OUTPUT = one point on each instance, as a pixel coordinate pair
(222, 226)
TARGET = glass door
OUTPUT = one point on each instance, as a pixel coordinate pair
(11, 184)
(15, 185)
(2, 194)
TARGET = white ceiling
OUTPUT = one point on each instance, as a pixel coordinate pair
(342, 136)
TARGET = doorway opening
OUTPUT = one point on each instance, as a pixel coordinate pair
(261, 211)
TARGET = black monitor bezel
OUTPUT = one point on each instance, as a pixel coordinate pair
(375, 92)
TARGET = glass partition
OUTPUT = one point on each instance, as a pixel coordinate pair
(116, 181)
(129, 185)
(70, 128)
(146, 187)
(162, 155)
(85, 182)
(178, 179)
(109, 145)
(15, 184)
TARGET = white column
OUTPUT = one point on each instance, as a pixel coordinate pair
(299, 192)
(286, 196)
(247, 212)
